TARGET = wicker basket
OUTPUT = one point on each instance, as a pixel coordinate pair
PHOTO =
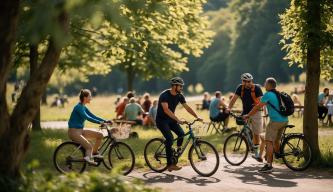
(121, 131)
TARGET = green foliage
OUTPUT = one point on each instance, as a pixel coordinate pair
(246, 41)
(294, 35)
(92, 181)
(159, 40)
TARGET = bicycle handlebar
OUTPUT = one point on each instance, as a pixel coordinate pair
(191, 123)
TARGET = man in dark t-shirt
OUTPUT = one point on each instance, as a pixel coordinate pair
(250, 95)
(167, 121)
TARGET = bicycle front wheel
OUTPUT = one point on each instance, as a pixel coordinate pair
(204, 158)
(155, 155)
(68, 157)
(235, 149)
(121, 157)
(296, 153)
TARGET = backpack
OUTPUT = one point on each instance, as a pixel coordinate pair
(253, 94)
(286, 104)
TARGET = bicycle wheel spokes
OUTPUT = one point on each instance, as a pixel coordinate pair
(235, 149)
(296, 153)
(69, 158)
(155, 155)
(204, 158)
(121, 157)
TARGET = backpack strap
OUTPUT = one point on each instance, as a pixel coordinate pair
(279, 100)
(253, 95)
(242, 92)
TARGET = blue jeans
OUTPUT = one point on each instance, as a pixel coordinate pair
(166, 127)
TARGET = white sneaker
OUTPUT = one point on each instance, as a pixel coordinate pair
(98, 156)
(89, 160)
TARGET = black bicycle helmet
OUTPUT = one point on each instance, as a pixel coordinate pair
(177, 81)
(246, 77)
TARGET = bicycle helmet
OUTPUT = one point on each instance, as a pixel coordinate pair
(246, 77)
(177, 81)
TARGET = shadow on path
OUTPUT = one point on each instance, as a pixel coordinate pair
(280, 177)
(153, 177)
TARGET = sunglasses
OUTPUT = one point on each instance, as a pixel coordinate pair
(246, 81)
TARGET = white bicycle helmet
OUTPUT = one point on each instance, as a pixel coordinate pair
(177, 81)
(246, 77)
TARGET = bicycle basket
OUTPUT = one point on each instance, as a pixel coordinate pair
(240, 121)
(121, 131)
(200, 129)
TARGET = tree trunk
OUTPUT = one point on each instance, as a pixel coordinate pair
(33, 59)
(310, 120)
(9, 10)
(14, 140)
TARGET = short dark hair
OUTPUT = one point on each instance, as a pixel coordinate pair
(84, 93)
(271, 81)
(326, 89)
(130, 94)
(218, 93)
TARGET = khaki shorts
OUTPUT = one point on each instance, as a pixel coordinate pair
(274, 130)
(256, 123)
(80, 136)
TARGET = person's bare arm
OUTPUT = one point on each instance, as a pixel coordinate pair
(255, 109)
(167, 111)
(232, 102)
(222, 103)
(190, 110)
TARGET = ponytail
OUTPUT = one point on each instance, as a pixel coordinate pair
(84, 93)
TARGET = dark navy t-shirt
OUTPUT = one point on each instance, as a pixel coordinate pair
(172, 100)
(247, 99)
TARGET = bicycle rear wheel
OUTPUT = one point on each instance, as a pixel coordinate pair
(155, 155)
(121, 157)
(296, 153)
(235, 149)
(68, 157)
(204, 158)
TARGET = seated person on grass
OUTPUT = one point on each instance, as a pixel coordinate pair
(133, 112)
(215, 112)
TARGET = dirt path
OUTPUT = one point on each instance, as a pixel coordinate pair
(241, 178)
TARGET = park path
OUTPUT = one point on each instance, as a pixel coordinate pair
(240, 178)
(230, 178)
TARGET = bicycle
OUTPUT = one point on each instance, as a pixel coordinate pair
(68, 156)
(293, 147)
(201, 154)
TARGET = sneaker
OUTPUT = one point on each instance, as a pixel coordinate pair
(266, 169)
(97, 155)
(259, 159)
(173, 168)
(89, 160)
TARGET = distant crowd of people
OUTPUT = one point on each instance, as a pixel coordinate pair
(134, 109)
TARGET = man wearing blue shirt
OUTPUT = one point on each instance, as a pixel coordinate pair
(276, 124)
(322, 109)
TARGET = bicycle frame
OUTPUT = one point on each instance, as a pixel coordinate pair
(191, 137)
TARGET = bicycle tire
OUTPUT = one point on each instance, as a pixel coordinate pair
(226, 143)
(160, 143)
(286, 142)
(193, 164)
(62, 147)
(114, 147)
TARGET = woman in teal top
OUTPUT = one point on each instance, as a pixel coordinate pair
(76, 132)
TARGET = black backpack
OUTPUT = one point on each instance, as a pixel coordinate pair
(286, 104)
